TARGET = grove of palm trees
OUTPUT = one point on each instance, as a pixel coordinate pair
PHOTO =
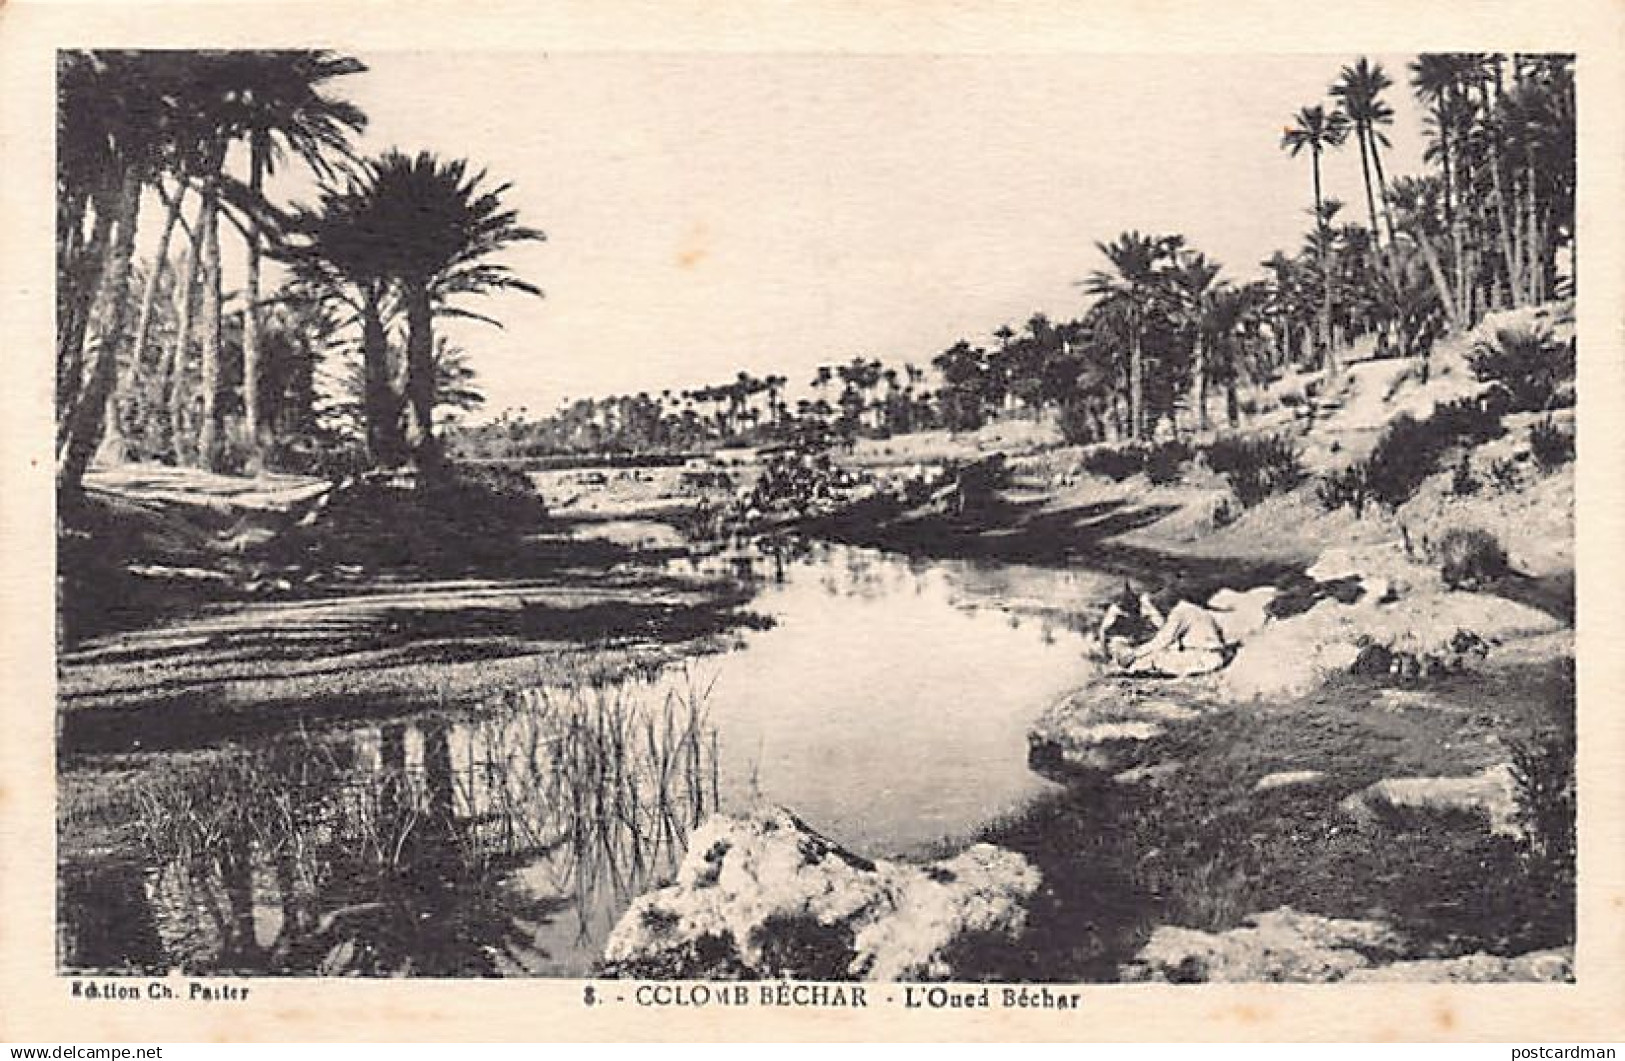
(1216, 624)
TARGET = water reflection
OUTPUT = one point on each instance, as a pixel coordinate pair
(501, 844)
(887, 704)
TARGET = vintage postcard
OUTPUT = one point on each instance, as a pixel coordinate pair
(945, 521)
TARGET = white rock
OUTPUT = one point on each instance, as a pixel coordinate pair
(1099, 726)
(1282, 945)
(1543, 966)
(1148, 775)
(1242, 614)
(780, 900)
(1285, 778)
(1491, 792)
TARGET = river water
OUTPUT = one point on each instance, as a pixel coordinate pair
(886, 704)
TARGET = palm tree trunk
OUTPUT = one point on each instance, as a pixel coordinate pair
(113, 449)
(1325, 277)
(252, 411)
(420, 440)
(1382, 197)
(210, 443)
(1503, 218)
(379, 408)
(1136, 381)
(1199, 381)
(70, 286)
(1360, 132)
(1440, 284)
(86, 415)
(179, 352)
(70, 225)
(88, 274)
(1532, 253)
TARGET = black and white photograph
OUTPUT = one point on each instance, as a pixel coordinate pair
(916, 524)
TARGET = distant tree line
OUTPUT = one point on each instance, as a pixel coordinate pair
(1165, 336)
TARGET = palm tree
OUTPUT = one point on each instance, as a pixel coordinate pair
(1318, 132)
(1359, 90)
(344, 262)
(1192, 279)
(1226, 320)
(1439, 81)
(282, 109)
(1134, 281)
(441, 226)
(1416, 201)
(112, 121)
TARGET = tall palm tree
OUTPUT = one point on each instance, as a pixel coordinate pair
(441, 225)
(1192, 280)
(1226, 320)
(282, 109)
(1439, 81)
(1486, 76)
(1416, 201)
(1287, 301)
(343, 260)
(1134, 280)
(1318, 131)
(1359, 90)
(112, 120)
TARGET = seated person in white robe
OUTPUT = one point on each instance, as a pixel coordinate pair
(1190, 640)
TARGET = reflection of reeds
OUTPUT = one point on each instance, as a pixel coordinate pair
(612, 779)
(590, 782)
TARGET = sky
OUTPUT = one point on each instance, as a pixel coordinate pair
(712, 213)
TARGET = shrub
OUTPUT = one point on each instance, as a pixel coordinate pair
(1165, 461)
(1551, 446)
(485, 497)
(1403, 458)
(1349, 488)
(1463, 483)
(1534, 368)
(1114, 462)
(1078, 425)
(1504, 473)
(1469, 557)
(1472, 421)
(1410, 450)
(1255, 467)
(1543, 779)
(980, 482)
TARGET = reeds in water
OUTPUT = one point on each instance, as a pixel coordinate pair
(397, 847)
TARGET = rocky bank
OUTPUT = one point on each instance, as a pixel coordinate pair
(765, 895)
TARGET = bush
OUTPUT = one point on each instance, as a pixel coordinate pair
(1463, 483)
(1349, 488)
(1078, 426)
(1255, 467)
(1504, 473)
(464, 518)
(1404, 457)
(1410, 450)
(979, 483)
(1471, 421)
(1551, 446)
(1543, 778)
(1534, 368)
(1469, 557)
(484, 498)
(1114, 462)
(1165, 461)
